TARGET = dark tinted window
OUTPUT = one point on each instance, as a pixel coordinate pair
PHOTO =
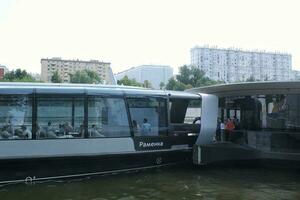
(185, 116)
(185, 110)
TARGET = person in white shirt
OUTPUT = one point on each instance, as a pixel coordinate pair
(146, 127)
(222, 127)
(94, 132)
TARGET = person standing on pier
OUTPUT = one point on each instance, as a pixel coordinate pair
(218, 131)
(229, 127)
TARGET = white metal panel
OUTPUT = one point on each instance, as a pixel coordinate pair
(209, 115)
(64, 147)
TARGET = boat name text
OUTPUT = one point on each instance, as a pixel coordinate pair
(151, 144)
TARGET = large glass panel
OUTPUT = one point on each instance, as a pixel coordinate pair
(60, 117)
(193, 112)
(149, 116)
(15, 117)
(107, 117)
(185, 116)
(266, 122)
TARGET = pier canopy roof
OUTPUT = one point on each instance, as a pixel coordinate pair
(250, 88)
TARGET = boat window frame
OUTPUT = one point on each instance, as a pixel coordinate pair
(116, 96)
(181, 97)
(141, 96)
(36, 93)
(171, 132)
(59, 95)
(29, 95)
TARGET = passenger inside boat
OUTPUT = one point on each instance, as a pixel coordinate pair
(50, 127)
(95, 132)
(136, 127)
(67, 128)
(25, 132)
(146, 127)
(5, 133)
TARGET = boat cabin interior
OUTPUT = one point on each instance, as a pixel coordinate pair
(41, 112)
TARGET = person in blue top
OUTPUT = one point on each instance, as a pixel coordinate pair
(146, 127)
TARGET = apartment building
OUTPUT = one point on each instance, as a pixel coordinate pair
(234, 65)
(67, 67)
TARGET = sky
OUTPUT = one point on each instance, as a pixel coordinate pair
(129, 33)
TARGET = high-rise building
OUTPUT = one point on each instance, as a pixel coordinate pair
(295, 75)
(3, 71)
(67, 67)
(232, 65)
(155, 74)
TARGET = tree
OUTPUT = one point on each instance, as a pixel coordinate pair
(173, 84)
(162, 85)
(193, 76)
(85, 76)
(18, 75)
(250, 79)
(94, 76)
(188, 77)
(55, 77)
(129, 82)
(147, 84)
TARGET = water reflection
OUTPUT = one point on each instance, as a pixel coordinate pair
(168, 183)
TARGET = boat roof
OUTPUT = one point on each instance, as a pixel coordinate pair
(90, 89)
(250, 88)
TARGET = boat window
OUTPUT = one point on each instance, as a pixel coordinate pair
(107, 117)
(60, 117)
(193, 112)
(15, 117)
(149, 116)
(185, 116)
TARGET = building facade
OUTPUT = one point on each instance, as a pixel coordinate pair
(3, 71)
(155, 74)
(295, 75)
(234, 65)
(67, 67)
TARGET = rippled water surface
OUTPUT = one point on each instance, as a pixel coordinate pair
(168, 183)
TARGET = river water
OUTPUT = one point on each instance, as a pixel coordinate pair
(168, 183)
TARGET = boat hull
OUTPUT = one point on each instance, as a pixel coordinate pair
(39, 169)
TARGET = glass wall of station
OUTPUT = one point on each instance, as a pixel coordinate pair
(266, 122)
(44, 116)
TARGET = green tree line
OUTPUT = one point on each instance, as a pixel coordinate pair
(18, 75)
(84, 76)
(188, 77)
(132, 82)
